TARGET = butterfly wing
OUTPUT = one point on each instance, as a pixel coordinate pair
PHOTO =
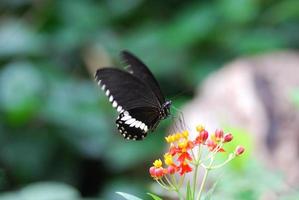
(135, 123)
(125, 91)
(138, 69)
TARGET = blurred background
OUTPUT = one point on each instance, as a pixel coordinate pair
(57, 130)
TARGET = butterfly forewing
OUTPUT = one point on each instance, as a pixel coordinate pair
(124, 90)
(138, 69)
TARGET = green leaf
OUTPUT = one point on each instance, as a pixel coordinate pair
(155, 197)
(128, 196)
(189, 195)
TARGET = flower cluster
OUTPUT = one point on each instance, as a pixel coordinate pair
(187, 155)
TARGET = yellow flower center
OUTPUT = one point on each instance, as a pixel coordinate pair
(200, 127)
(168, 159)
(157, 163)
(183, 144)
(185, 134)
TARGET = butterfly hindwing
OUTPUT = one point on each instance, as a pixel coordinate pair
(135, 123)
(130, 127)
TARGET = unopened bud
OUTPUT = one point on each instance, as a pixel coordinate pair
(219, 134)
(239, 150)
(227, 137)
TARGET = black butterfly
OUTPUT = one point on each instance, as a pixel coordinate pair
(136, 95)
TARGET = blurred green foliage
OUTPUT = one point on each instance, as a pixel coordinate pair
(54, 123)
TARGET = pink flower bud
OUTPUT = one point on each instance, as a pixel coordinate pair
(219, 134)
(239, 150)
(159, 172)
(152, 171)
(227, 137)
(211, 144)
(204, 135)
(171, 170)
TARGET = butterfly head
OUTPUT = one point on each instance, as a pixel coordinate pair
(166, 109)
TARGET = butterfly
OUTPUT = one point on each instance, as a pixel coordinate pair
(136, 95)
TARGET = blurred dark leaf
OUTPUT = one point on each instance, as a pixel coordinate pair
(126, 154)
(283, 11)
(121, 8)
(74, 106)
(18, 38)
(191, 26)
(239, 12)
(21, 86)
(26, 156)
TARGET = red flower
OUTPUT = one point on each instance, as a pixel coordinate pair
(185, 168)
(184, 156)
(171, 169)
(157, 172)
(174, 150)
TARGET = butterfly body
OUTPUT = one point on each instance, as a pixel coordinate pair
(136, 95)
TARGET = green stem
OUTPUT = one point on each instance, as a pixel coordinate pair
(224, 163)
(179, 194)
(197, 163)
(169, 183)
(163, 185)
(214, 152)
(204, 178)
(195, 180)
(174, 181)
(181, 181)
(176, 186)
